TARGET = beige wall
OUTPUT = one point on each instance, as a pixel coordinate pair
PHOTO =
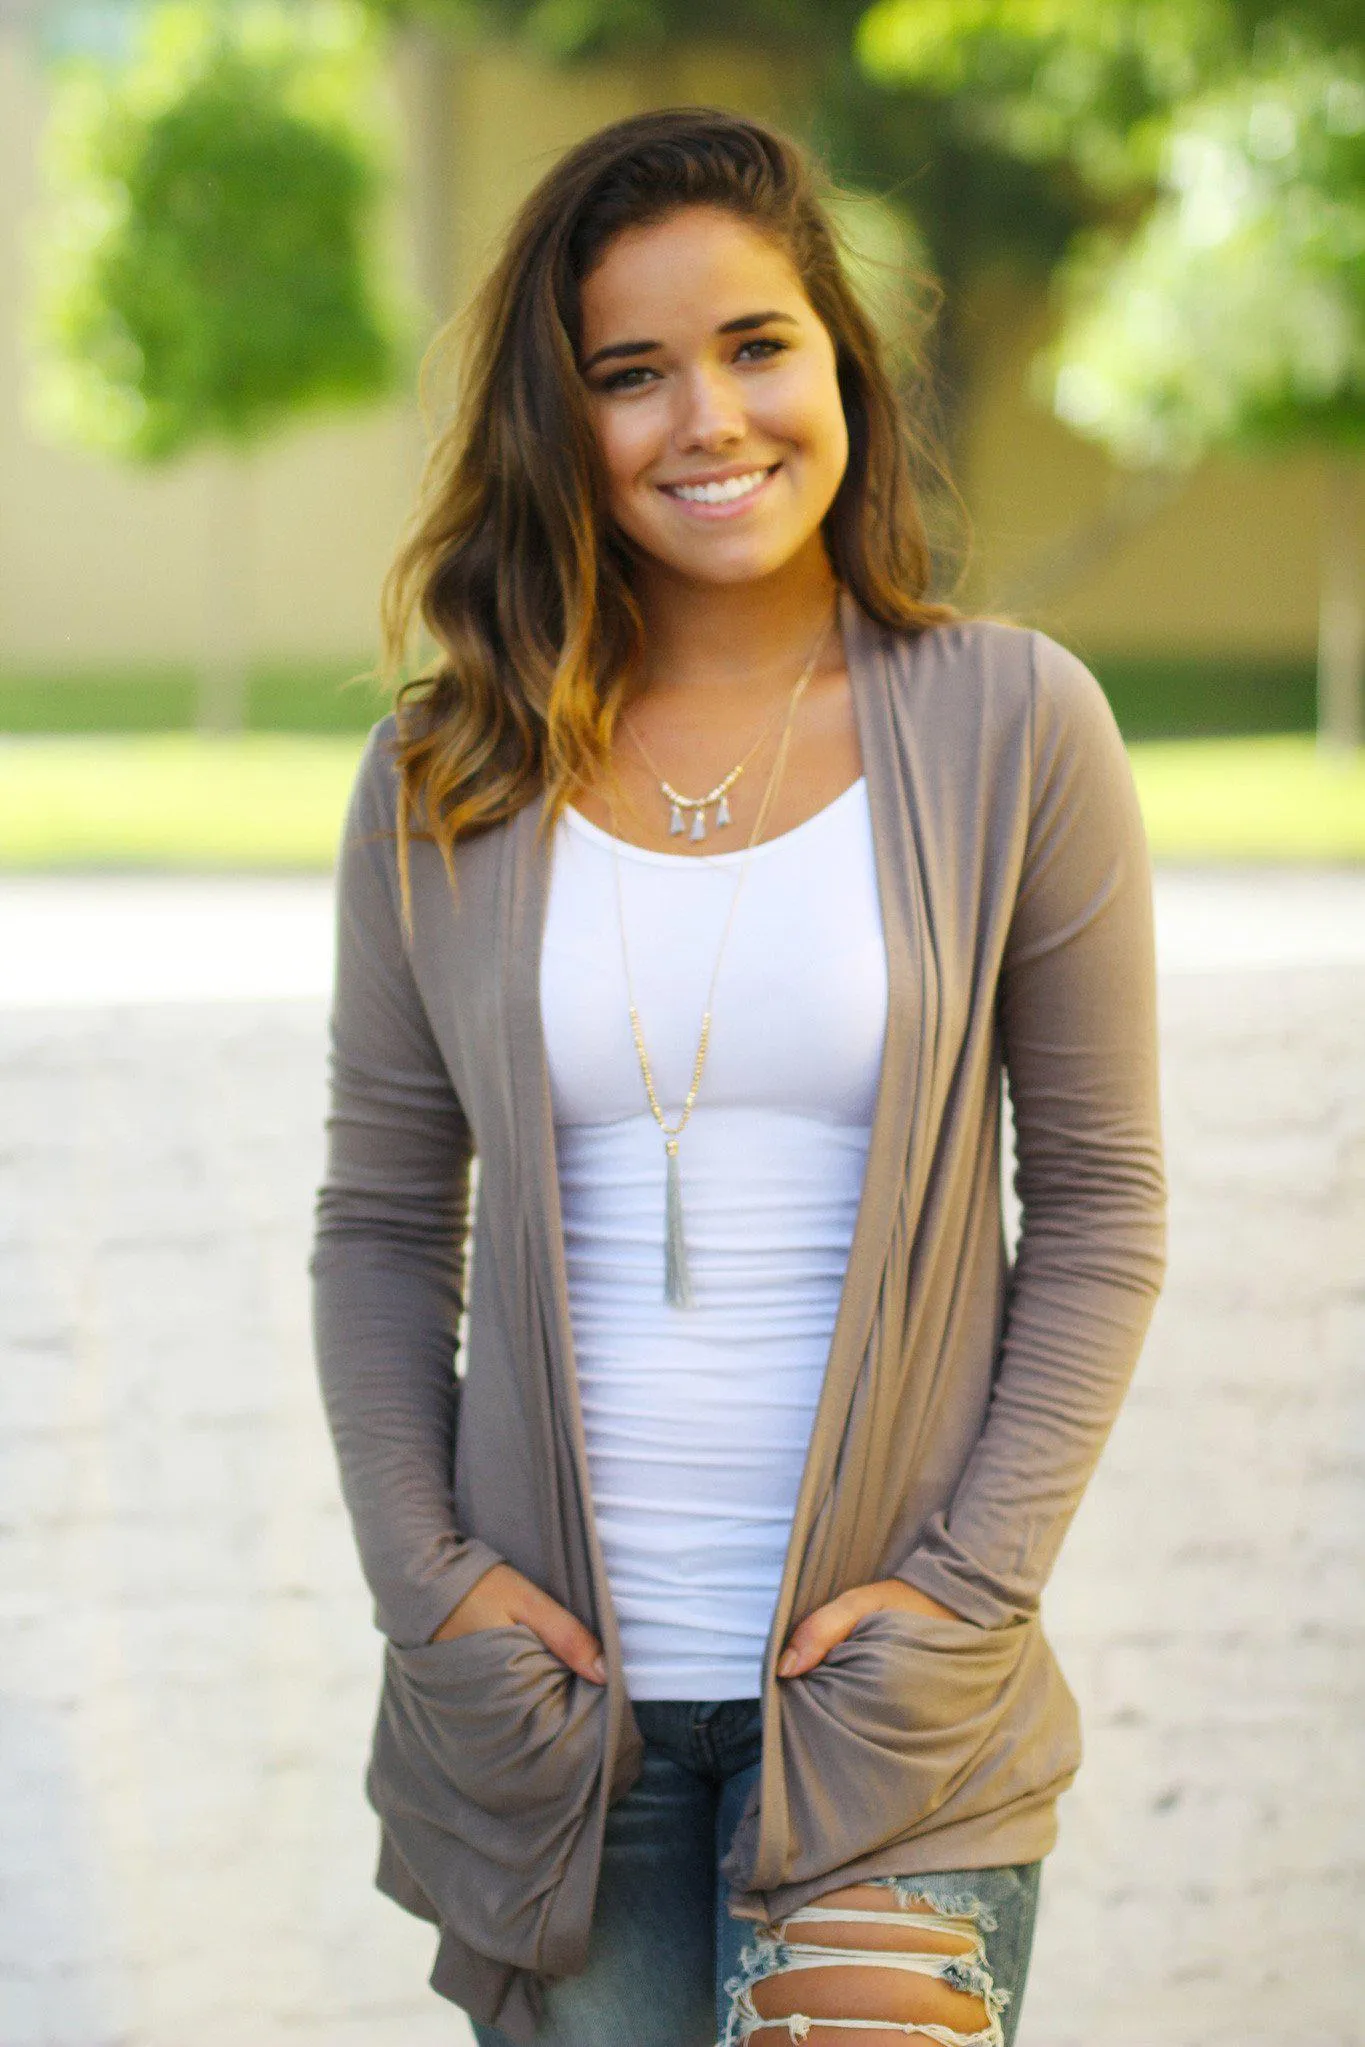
(513, 117)
(1229, 563)
(99, 563)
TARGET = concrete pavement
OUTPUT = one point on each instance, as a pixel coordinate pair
(189, 1665)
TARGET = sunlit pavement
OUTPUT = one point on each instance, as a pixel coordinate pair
(116, 939)
(189, 1665)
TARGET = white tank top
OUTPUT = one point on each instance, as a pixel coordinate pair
(697, 1419)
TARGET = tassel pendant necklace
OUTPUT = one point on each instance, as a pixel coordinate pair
(698, 805)
(678, 1289)
(679, 805)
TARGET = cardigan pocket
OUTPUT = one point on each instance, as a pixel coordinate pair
(485, 1762)
(495, 1713)
(913, 1723)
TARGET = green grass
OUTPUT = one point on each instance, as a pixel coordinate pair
(1262, 798)
(1205, 696)
(315, 696)
(173, 799)
(274, 800)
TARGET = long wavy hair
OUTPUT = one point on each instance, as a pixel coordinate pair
(510, 557)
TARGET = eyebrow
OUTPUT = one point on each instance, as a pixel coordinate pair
(737, 326)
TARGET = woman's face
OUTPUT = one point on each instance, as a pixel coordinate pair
(711, 382)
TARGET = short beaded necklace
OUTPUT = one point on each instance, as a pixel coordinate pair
(677, 1276)
(698, 805)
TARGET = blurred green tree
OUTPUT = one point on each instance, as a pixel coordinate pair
(204, 272)
(1235, 318)
(1218, 299)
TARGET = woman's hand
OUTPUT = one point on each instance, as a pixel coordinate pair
(502, 1596)
(816, 1635)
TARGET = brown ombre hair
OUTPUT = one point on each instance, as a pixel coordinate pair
(510, 558)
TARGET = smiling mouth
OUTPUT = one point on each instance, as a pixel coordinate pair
(728, 492)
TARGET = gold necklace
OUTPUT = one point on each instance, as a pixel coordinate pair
(677, 1277)
(698, 805)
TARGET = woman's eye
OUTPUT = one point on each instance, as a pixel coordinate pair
(764, 341)
(617, 380)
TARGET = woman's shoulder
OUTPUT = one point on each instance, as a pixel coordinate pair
(371, 811)
(376, 764)
(997, 668)
(373, 816)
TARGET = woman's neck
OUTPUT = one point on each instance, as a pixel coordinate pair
(733, 639)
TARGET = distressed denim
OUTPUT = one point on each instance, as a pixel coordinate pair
(667, 1965)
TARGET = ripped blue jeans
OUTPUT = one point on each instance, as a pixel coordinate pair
(668, 1967)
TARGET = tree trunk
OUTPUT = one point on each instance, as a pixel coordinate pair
(949, 368)
(1135, 498)
(426, 75)
(425, 70)
(1341, 614)
(222, 702)
(947, 371)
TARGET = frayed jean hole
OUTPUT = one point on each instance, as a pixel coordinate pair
(965, 1976)
(951, 1899)
(775, 1951)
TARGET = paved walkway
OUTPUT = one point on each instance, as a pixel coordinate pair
(106, 939)
(189, 1669)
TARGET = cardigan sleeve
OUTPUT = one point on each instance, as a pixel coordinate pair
(1077, 1013)
(390, 1233)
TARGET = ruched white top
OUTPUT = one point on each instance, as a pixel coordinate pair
(697, 1419)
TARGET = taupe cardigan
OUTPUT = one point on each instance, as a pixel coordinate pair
(966, 1397)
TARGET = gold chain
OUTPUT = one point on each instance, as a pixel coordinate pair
(722, 788)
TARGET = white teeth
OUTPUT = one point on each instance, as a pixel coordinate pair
(719, 493)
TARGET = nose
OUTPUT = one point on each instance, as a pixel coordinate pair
(709, 410)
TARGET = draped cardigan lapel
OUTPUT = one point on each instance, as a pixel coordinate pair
(811, 1562)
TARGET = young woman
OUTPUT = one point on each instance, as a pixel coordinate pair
(702, 893)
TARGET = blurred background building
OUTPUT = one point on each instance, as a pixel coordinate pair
(1198, 600)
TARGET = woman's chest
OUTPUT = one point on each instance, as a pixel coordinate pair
(786, 951)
